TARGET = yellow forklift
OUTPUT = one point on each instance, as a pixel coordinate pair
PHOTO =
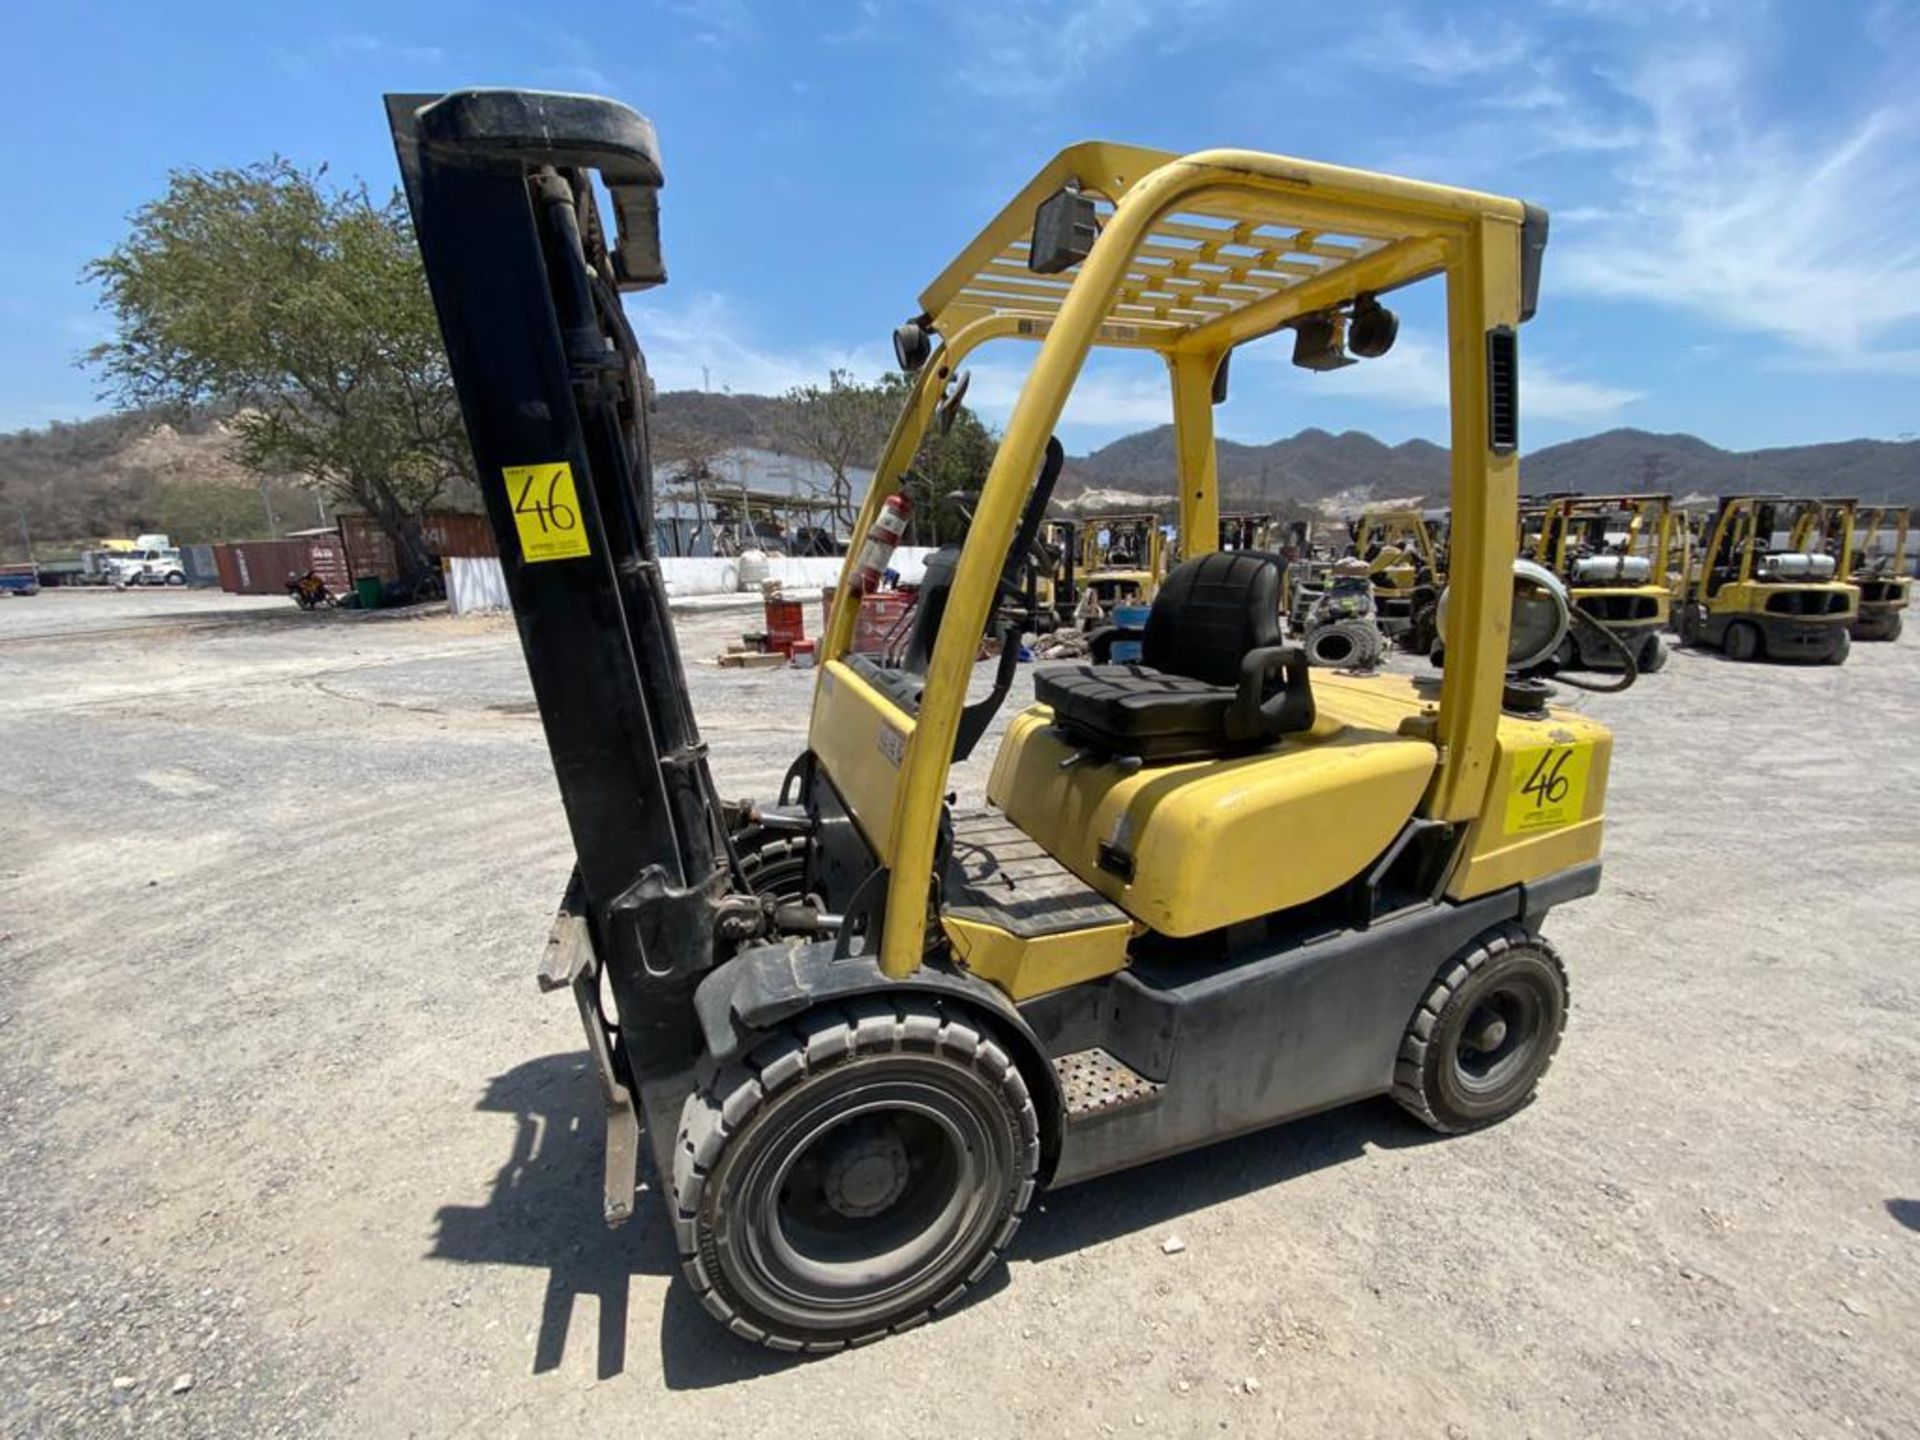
(1879, 568)
(1408, 571)
(1614, 554)
(861, 1025)
(1841, 529)
(1756, 602)
(1122, 558)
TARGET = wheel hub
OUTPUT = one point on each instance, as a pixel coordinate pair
(1486, 1032)
(865, 1171)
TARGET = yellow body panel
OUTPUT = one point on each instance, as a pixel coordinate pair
(1215, 842)
(859, 739)
(1026, 967)
(1546, 806)
(1749, 597)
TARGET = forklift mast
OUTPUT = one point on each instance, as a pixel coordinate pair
(554, 388)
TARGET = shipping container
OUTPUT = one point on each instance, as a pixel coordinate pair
(446, 532)
(261, 567)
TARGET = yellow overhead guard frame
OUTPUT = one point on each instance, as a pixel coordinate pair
(1195, 255)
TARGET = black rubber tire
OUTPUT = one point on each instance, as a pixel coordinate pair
(1511, 975)
(761, 1239)
(1688, 625)
(174, 577)
(1842, 647)
(1345, 644)
(1890, 630)
(1742, 641)
(775, 864)
(1652, 656)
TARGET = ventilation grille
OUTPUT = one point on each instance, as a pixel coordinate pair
(1503, 390)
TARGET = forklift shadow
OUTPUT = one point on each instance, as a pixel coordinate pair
(544, 1213)
(1166, 1191)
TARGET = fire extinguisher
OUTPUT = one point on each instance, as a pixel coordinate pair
(882, 537)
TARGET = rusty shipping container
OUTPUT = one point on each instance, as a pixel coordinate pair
(446, 532)
(261, 567)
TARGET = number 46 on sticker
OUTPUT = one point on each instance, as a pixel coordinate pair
(1548, 787)
(546, 511)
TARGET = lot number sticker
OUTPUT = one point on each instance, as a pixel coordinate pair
(546, 512)
(1549, 787)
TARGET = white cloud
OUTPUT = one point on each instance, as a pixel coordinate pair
(1413, 376)
(702, 344)
(1704, 197)
(1026, 50)
(1106, 399)
(1803, 235)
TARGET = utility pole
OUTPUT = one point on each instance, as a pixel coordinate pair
(266, 503)
(26, 535)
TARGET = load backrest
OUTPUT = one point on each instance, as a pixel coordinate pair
(1211, 612)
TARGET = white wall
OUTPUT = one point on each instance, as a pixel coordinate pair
(475, 583)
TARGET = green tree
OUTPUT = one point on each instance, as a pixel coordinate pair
(843, 426)
(303, 309)
(948, 474)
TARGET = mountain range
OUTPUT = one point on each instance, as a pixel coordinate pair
(1314, 466)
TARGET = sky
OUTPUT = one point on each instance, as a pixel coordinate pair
(1735, 187)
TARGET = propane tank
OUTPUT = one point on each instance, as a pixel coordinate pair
(882, 537)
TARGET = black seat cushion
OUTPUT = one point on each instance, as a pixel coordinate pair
(1211, 612)
(1134, 710)
(1187, 702)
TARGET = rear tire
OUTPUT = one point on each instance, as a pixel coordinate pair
(1652, 655)
(859, 1173)
(1842, 647)
(1742, 642)
(1484, 1034)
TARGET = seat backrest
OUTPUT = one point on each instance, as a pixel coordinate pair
(1211, 612)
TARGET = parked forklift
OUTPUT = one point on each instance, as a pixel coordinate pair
(1840, 528)
(861, 1025)
(1408, 571)
(1755, 602)
(1879, 568)
(1613, 553)
(1122, 558)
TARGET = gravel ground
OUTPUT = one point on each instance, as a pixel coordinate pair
(292, 1145)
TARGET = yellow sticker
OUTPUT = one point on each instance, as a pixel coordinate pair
(1548, 788)
(546, 511)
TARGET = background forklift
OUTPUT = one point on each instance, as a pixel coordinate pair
(1841, 529)
(1612, 551)
(1879, 568)
(865, 1024)
(1756, 602)
(1122, 558)
(1408, 572)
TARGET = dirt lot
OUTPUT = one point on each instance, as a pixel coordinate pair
(291, 1145)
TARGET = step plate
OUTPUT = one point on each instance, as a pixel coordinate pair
(1093, 1083)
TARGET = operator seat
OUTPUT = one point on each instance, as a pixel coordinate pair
(1215, 679)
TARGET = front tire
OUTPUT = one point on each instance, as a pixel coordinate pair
(857, 1174)
(1484, 1034)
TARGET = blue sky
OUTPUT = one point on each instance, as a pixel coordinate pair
(1735, 187)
